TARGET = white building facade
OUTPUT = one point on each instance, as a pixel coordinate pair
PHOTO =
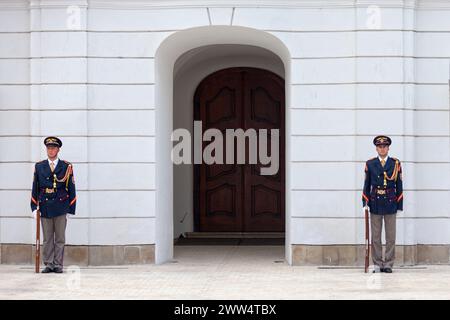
(112, 79)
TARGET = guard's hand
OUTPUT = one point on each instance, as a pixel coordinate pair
(364, 209)
(69, 216)
(33, 214)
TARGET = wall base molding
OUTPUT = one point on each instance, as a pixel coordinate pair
(353, 255)
(302, 255)
(83, 255)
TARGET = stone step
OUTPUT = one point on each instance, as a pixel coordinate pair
(234, 235)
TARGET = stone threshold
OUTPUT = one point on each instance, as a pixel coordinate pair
(353, 255)
(234, 235)
(83, 255)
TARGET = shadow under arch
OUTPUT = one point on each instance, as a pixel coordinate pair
(166, 55)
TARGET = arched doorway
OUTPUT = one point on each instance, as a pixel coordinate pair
(171, 48)
(237, 197)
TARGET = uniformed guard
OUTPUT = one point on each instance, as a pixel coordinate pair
(54, 193)
(383, 194)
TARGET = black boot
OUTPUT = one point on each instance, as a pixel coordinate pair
(47, 270)
(58, 270)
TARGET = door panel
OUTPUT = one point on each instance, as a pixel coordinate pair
(236, 197)
(264, 109)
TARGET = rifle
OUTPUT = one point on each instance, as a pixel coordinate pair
(38, 239)
(367, 242)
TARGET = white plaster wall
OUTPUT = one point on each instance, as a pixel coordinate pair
(15, 116)
(94, 87)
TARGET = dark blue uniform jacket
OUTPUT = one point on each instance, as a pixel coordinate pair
(53, 201)
(380, 197)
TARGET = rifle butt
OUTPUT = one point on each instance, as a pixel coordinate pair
(367, 241)
(38, 242)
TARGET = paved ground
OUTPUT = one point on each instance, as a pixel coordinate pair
(225, 272)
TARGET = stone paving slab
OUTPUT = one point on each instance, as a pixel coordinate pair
(224, 272)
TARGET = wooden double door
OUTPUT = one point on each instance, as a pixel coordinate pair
(236, 197)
